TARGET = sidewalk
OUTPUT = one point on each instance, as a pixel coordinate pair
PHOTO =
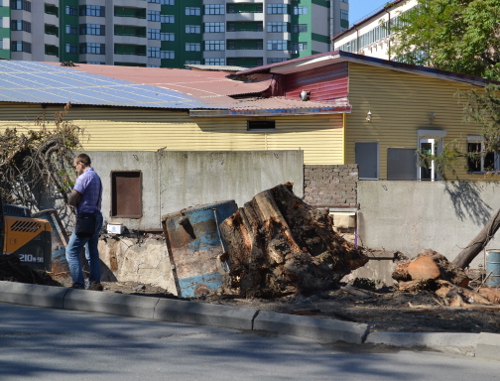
(485, 345)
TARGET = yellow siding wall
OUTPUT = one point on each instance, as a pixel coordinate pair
(400, 105)
(109, 129)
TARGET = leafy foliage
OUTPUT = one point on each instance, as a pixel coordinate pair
(36, 161)
(460, 36)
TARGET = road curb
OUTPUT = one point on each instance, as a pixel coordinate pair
(216, 315)
(110, 303)
(310, 327)
(488, 346)
(450, 342)
(484, 345)
(32, 294)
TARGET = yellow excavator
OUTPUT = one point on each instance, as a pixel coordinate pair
(26, 237)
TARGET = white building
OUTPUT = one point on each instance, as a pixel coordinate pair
(370, 36)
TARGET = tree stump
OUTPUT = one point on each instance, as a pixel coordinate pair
(277, 244)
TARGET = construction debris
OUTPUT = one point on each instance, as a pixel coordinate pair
(277, 245)
(431, 271)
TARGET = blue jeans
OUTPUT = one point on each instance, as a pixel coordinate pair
(73, 251)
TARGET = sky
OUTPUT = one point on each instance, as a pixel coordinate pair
(360, 8)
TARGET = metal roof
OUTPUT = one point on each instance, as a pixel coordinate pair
(211, 87)
(330, 58)
(36, 82)
(277, 106)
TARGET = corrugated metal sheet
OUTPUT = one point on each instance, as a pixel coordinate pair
(205, 85)
(113, 129)
(401, 104)
(35, 82)
(324, 84)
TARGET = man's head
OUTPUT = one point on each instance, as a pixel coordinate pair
(81, 163)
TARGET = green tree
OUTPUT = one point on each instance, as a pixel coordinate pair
(461, 36)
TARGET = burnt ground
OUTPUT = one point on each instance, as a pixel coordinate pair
(384, 309)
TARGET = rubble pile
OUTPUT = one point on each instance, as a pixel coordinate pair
(277, 245)
(431, 271)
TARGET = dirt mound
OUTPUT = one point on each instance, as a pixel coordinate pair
(12, 270)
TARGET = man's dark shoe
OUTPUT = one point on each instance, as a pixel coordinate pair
(96, 286)
(75, 286)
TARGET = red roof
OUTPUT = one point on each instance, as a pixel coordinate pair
(200, 84)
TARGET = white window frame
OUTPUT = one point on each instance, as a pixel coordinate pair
(480, 139)
(435, 138)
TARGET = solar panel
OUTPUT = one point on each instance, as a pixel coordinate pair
(36, 82)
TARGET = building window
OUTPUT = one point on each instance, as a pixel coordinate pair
(162, 2)
(300, 10)
(167, 54)
(92, 48)
(300, 28)
(126, 194)
(92, 29)
(92, 10)
(192, 62)
(215, 61)
(299, 46)
(193, 11)
(277, 9)
(275, 60)
(214, 45)
(154, 34)
(344, 15)
(167, 36)
(345, 1)
(215, 9)
(20, 25)
(277, 45)
(52, 50)
(72, 48)
(366, 156)
(261, 125)
(51, 9)
(190, 29)
(20, 46)
(21, 5)
(72, 11)
(153, 52)
(51, 30)
(71, 29)
(167, 19)
(401, 164)
(215, 27)
(193, 47)
(277, 27)
(154, 16)
(479, 161)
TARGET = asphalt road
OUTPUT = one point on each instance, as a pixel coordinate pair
(50, 344)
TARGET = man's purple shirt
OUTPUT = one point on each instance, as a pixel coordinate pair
(88, 184)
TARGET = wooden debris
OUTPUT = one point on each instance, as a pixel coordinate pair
(491, 294)
(430, 265)
(277, 244)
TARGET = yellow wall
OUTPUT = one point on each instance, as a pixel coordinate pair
(401, 105)
(110, 129)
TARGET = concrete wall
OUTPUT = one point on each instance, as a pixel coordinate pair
(175, 180)
(411, 216)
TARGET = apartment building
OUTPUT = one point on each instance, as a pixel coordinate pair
(169, 33)
(371, 36)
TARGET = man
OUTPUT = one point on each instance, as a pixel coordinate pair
(86, 197)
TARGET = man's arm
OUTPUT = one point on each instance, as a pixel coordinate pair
(74, 198)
